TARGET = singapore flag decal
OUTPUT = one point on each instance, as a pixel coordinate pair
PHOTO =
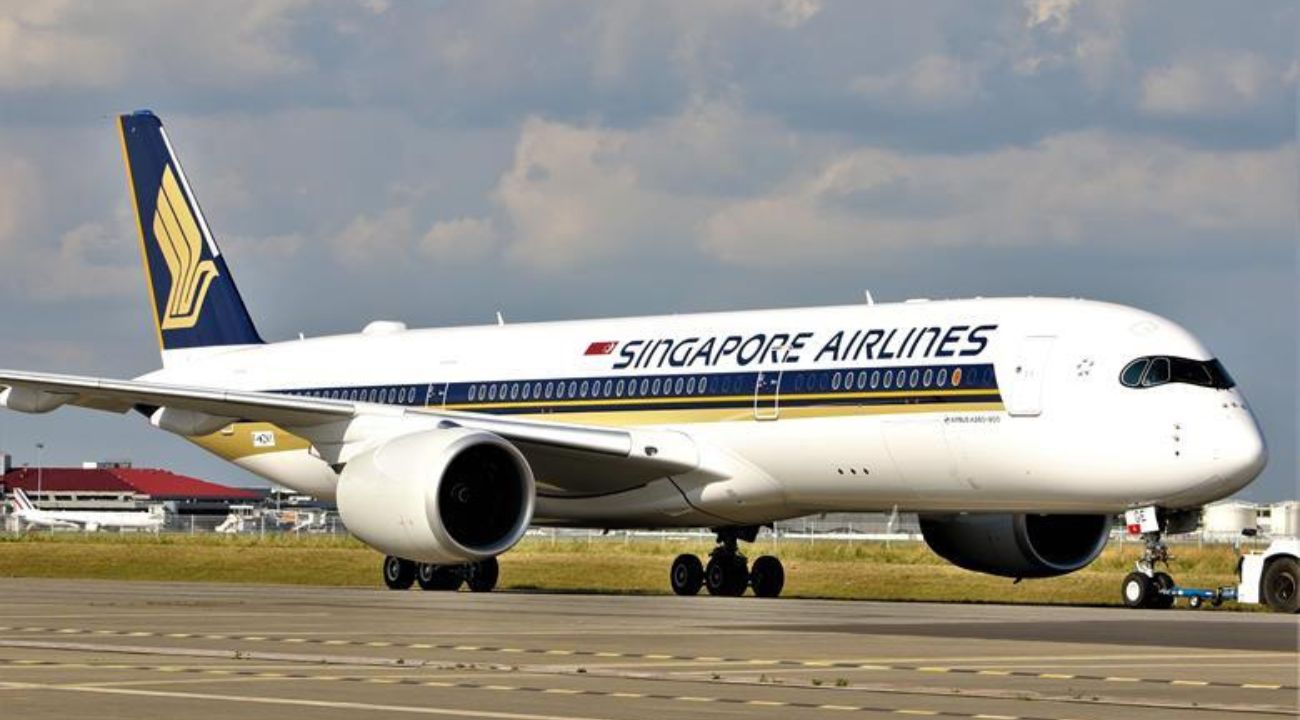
(601, 348)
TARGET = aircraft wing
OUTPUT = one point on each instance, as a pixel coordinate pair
(566, 458)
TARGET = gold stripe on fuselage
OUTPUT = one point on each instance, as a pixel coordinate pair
(238, 441)
(241, 440)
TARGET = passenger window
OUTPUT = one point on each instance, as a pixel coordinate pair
(654, 389)
(609, 388)
(835, 381)
(875, 379)
(1157, 373)
(943, 376)
(929, 377)
(618, 389)
(704, 385)
(583, 391)
(645, 386)
(914, 378)
(549, 388)
(1132, 374)
(862, 379)
(527, 391)
(690, 386)
(492, 392)
(573, 388)
(514, 391)
(900, 378)
(889, 379)
(678, 385)
(823, 381)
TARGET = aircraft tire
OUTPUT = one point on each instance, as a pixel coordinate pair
(767, 577)
(438, 577)
(1280, 585)
(1160, 601)
(482, 576)
(399, 574)
(1136, 590)
(686, 575)
(726, 576)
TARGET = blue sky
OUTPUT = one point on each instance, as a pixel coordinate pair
(436, 162)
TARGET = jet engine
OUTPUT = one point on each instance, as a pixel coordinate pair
(1019, 545)
(443, 496)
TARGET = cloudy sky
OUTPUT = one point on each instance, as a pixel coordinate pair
(437, 162)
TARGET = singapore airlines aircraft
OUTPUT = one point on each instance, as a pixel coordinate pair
(1015, 427)
(88, 520)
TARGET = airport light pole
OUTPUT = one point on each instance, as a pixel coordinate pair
(40, 467)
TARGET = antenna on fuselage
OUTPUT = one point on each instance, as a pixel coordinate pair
(500, 320)
(870, 300)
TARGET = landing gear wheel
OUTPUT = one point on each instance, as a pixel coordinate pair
(399, 574)
(1159, 600)
(1280, 583)
(438, 577)
(767, 577)
(687, 575)
(1137, 590)
(1195, 602)
(726, 575)
(482, 576)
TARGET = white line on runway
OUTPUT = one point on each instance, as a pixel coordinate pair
(411, 709)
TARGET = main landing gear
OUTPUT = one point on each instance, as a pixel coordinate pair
(1147, 587)
(401, 574)
(728, 573)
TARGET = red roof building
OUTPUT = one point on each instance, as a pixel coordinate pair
(141, 484)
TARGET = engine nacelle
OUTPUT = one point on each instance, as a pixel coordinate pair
(1018, 546)
(439, 496)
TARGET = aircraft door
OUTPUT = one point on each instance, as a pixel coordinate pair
(767, 389)
(1022, 386)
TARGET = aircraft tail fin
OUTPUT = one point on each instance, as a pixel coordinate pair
(22, 501)
(192, 291)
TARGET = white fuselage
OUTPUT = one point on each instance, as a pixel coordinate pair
(1004, 405)
(90, 520)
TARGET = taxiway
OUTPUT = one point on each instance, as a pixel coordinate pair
(139, 650)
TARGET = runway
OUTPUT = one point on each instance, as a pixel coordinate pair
(142, 650)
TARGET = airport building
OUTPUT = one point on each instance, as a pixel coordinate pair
(116, 485)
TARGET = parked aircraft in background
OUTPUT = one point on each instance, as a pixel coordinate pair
(1017, 428)
(88, 520)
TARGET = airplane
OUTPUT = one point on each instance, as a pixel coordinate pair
(1015, 427)
(88, 520)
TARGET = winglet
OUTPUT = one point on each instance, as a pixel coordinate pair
(193, 294)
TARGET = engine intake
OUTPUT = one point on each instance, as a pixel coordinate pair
(1019, 545)
(440, 496)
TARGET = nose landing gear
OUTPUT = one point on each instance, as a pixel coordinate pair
(728, 572)
(1147, 587)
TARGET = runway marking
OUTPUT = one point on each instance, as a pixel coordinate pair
(464, 685)
(302, 702)
(845, 664)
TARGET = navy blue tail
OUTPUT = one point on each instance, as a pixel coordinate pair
(195, 301)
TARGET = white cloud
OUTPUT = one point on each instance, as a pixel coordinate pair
(932, 82)
(69, 45)
(1078, 188)
(1051, 14)
(370, 240)
(460, 240)
(1213, 83)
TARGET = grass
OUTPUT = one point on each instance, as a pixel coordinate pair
(824, 569)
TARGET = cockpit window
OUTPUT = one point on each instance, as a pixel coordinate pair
(1157, 373)
(1153, 371)
(1132, 375)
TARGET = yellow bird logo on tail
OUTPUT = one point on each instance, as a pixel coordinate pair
(181, 243)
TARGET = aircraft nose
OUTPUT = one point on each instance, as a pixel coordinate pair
(1241, 451)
